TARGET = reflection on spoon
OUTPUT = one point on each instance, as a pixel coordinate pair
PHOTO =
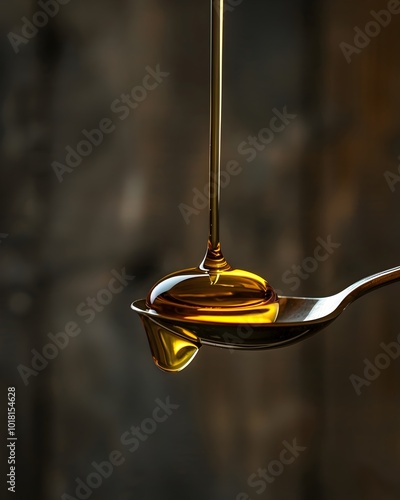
(175, 342)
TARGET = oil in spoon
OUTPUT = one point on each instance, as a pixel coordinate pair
(213, 291)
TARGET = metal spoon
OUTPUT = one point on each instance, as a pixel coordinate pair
(298, 318)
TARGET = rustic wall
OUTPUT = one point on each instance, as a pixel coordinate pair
(322, 177)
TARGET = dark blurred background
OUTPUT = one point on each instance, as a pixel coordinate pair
(330, 173)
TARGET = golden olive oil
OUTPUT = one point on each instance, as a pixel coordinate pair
(213, 292)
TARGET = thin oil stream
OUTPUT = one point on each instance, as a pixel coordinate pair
(213, 291)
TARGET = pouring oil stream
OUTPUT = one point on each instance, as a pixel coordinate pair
(213, 292)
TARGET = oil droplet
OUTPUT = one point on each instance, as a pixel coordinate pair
(171, 352)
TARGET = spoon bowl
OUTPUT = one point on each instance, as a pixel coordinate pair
(298, 319)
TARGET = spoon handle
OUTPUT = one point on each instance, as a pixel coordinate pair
(368, 284)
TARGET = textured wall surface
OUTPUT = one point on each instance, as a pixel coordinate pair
(332, 174)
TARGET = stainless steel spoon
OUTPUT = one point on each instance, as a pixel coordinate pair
(298, 318)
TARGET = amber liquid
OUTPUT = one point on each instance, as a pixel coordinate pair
(217, 294)
(213, 292)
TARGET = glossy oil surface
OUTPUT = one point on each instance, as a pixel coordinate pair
(214, 292)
